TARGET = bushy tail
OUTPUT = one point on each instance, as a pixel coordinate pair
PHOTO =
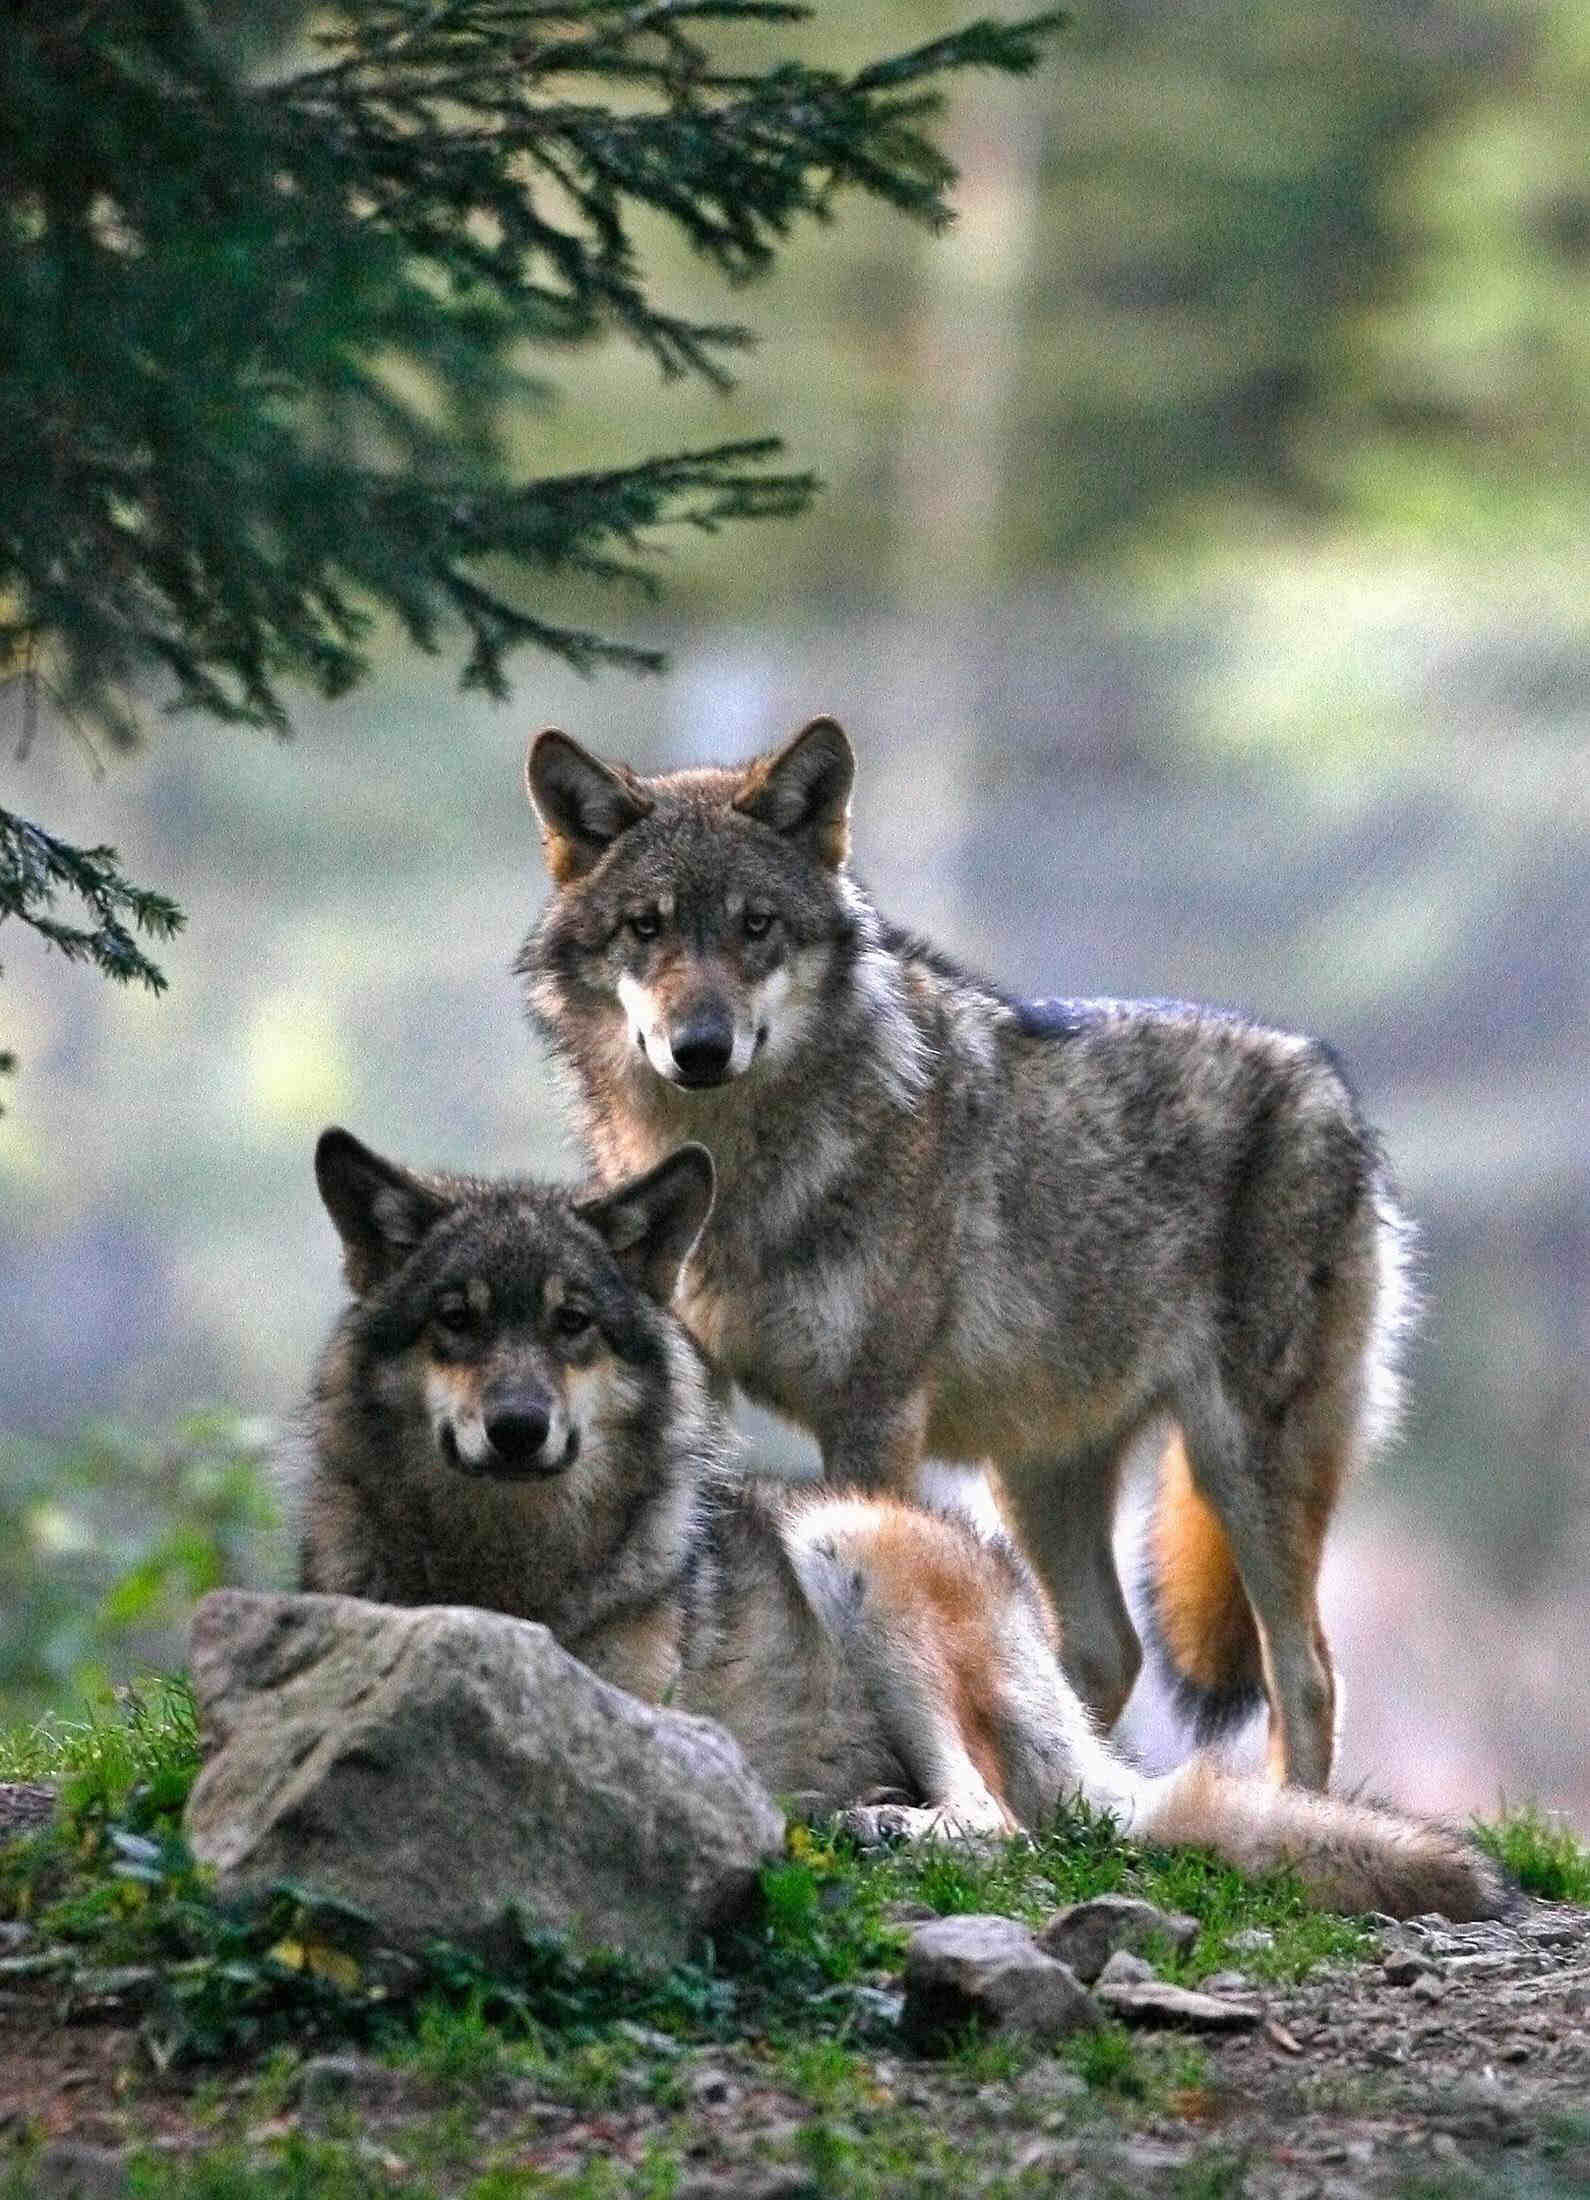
(1349, 1856)
(1201, 1622)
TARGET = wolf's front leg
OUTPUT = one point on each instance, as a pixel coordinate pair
(1063, 1512)
(876, 1448)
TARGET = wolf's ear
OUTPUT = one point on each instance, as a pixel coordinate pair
(381, 1212)
(651, 1223)
(803, 789)
(581, 803)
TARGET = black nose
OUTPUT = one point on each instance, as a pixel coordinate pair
(702, 1046)
(516, 1433)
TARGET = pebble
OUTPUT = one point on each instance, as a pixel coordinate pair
(1125, 1969)
(1156, 2001)
(69, 2170)
(651, 2041)
(714, 2088)
(879, 2008)
(1051, 2081)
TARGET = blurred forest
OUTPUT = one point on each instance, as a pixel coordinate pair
(1200, 575)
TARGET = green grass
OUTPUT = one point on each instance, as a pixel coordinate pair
(111, 1883)
(827, 1907)
(146, 1732)
(1541, 1850)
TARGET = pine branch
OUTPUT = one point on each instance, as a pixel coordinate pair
(36, 869)
(222, 290)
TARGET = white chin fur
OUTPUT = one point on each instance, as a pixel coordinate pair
(768, 1024)
(468, 1434)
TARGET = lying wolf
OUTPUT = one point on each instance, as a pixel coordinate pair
(955, 1223)
(508, 1415)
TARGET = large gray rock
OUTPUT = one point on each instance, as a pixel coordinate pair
(445, 1768)
(989, 1968)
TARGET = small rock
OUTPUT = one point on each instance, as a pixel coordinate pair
(107, 1986)
(1051, 2081)
(1149, 2157)
(1226, 1982)
(1158, 2002)
(25, 1805)
(380, 2157)
(649, 2040)
(1123, 1969)
(1406, 1965)
(1250, 1940)
(908, 1913)
(1445, 2148)
(750, 2181)
(1554, 1932)
(1044, 2154)
(69, 2170)
(326, 2079)
(14, 1935)
(714, 2088)
(1429, 1988)
(991, 1968)
(1087, 1933)
(877, 2008)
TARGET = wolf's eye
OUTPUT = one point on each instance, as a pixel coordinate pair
(645, 924)
(571, 1320)
(454, 1314)
(758, 923)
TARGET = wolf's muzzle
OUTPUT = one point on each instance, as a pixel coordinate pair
(703, 1046)
(520, 1442)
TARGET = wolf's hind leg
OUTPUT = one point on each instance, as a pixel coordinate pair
(1063, 1515)
(1274, 1514)
(914, 1604)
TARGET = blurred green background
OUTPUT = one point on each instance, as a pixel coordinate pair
(1201, 577)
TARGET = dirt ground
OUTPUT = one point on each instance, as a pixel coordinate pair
(1458, 2061)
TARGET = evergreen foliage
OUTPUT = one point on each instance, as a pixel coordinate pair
(266, 302)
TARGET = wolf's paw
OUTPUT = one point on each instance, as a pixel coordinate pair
(885, 1825)
(882, 1825)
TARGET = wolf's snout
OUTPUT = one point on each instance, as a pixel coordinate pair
(703, 1046)
(519, 1434)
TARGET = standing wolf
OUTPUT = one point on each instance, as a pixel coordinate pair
(958, 1224)
(508, 1415)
